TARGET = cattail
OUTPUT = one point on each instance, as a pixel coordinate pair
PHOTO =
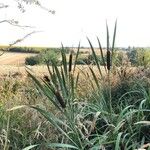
(46, 79)
(60, 99)
(108, 60)
(70, 62)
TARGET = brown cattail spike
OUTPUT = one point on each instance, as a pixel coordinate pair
(70, 62)
(108, 57)
(46, 79)
(60, 99)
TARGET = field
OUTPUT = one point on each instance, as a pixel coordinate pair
(14, 58)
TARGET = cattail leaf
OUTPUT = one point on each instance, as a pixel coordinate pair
(60, 145)
(113, 43)
(77, 79)
(95, 57)
(143, 122)
(60, 80)
(107, 40)
(118, 140)
(77, 54)
(95, 77)
(101, 51)
(57, 123)
(64, 60)
(123, 113)
(45, 89)
(30, 147)
(72, 88)
(64, 83)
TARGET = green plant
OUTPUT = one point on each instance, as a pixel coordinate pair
(139, 57)
(47, 55)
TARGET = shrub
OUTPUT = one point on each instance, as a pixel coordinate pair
(139, 57)
(33, 60)
(47, 55)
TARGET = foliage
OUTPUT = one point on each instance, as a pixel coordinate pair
(139, 57)
(23, 50)
(47, 55)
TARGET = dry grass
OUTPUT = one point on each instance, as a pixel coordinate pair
(13, 58)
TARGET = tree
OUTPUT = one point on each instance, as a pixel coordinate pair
(20, 5)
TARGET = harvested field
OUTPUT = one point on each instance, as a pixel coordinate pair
(14, 58)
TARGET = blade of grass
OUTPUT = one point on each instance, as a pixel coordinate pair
(95, 57)
(118, 140)
(95, 78)
(59, 145)
(30, 147)
(113, 43)
(77, 54)
(55, 122)
(64, 60)
(102, 56)
(107, 40)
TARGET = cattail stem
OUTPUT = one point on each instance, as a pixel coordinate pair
(110, 96)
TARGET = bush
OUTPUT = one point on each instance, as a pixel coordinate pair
(89, 59)
(47, 55)
(139, 57)
(33, 60)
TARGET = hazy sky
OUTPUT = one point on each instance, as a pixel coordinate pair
(76, 19)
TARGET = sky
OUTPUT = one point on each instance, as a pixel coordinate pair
(75, 20)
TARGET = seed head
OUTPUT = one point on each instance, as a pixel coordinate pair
(108, 57)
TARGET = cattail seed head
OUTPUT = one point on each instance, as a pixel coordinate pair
(60, 99)
(70, 62)
(46, 79)
(108, 57)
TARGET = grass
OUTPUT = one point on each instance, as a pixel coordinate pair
(92, 109)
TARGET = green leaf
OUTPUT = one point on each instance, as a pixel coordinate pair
(95, 78)
(30, 147)
(47, 90)
(59, 145)
(77, 54)
(118, 140)
(56, 122)
(113, 43)
(64, 60)
(107, 36)
(143, 122)
(95, 57)
(101, 51)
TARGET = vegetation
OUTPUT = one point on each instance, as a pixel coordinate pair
(100, 107)
(44, 56)
(139, 57)
(24, 50)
